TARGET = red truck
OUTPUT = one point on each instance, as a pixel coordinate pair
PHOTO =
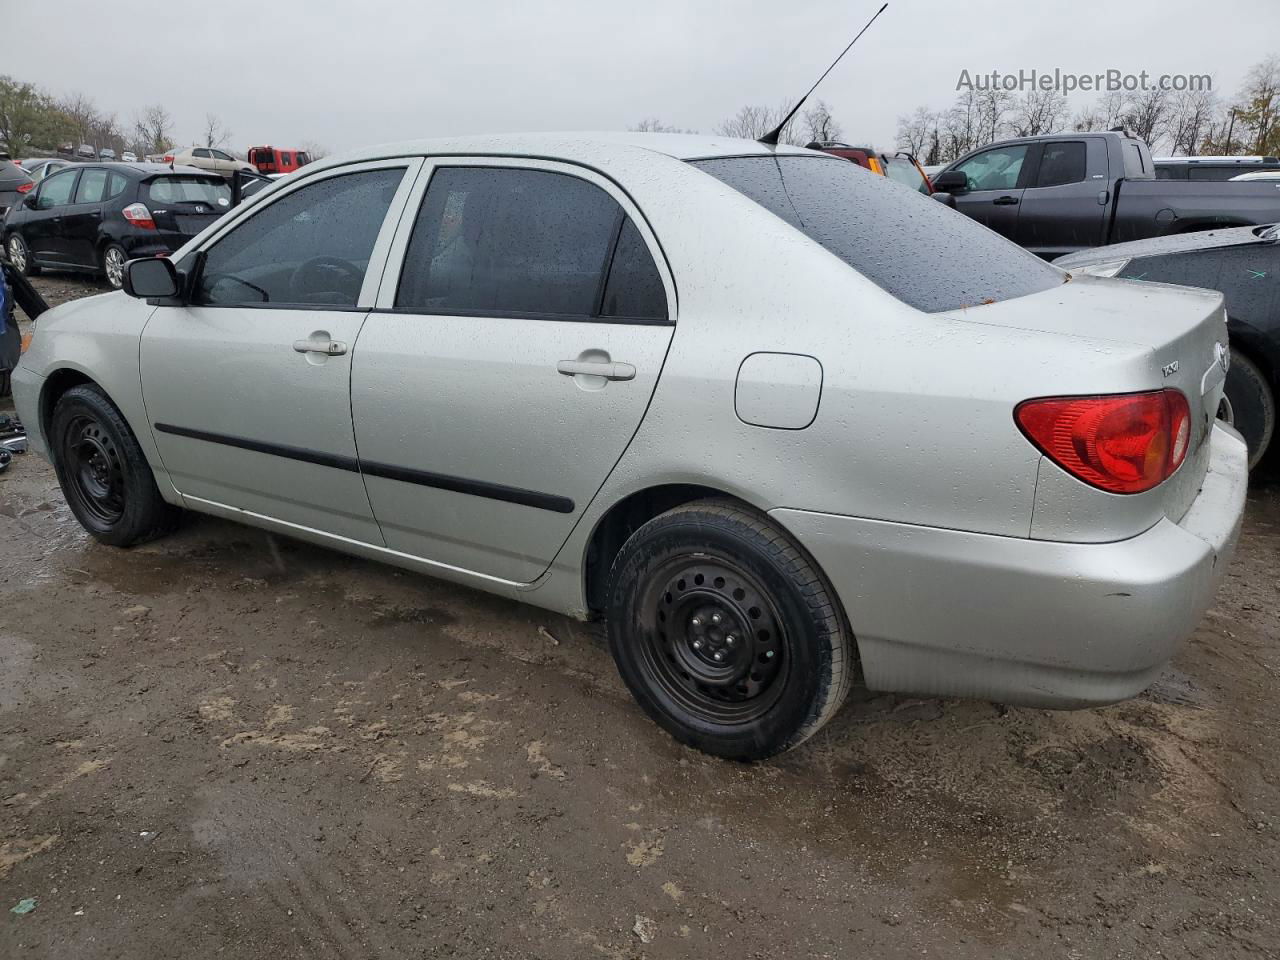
(275, 160)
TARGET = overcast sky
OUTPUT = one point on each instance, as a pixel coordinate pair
(346, 73)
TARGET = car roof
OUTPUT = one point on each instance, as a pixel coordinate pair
(141, 169)
(679, 146)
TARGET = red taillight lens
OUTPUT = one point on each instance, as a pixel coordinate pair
(26, 187)
(1125, 444)
(138, 215)
(168, 158)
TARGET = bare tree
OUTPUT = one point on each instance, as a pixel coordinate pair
(316, 151)
(915, 131)
(1191, 120)
(960, 126)
(216, 133)
(81, 114)
(654, 125)
(1259, 107)
(752, 123)
(153, 127)
(1147, 115)
(819, 124)
(993, 110)
(1037, 112)
(1107, 112)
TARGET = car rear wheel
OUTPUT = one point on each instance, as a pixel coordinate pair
(1249, 405)
(20, 256)
(103, 472)
(113, 261)
(726, 633)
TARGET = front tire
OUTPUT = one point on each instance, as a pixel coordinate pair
(1251, 405)
(19, 255)
(726, 633)
(103, 472)
(113, 261)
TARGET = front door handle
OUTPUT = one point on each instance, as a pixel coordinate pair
(590, 368)
(330, 348)
(1005, 201)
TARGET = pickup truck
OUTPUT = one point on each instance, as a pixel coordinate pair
(1066, 192)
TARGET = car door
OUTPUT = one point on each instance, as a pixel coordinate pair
(1064, 209)
(83, 218)
(995, 181)
(520, 330)
(43, 228)
(247, 385)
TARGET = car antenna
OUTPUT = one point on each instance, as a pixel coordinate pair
(771, 138)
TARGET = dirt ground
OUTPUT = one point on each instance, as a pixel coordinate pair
(227, 744)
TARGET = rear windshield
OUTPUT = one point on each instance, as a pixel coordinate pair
(211, 190)
(909, 245)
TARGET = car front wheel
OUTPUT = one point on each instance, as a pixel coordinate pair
(726, 633)
(103, 472)
(20, 256)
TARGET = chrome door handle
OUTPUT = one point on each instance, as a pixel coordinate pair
(589, 368)
(330, 348)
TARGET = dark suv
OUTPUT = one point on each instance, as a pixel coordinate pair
(95, 216)
(14, 182)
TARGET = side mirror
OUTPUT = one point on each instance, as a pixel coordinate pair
(944, 198)
(151, 278)
(31, 201)
(951, 181)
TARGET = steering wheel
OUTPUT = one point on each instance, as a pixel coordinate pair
(303, 279)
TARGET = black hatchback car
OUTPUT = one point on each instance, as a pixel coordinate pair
(95, 216)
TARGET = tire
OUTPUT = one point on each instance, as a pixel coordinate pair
(113, 260)
(1251, 405)
(19, 255)
(103, 472)
(787, 656)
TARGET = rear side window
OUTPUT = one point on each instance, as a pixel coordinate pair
(310, 247)
(909, 245)
(634, 288)
(93, 186)
(116, 184)
(1062, 163)
(501, 241)
(213, 191)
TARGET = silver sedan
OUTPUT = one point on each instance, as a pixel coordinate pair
(776, 420)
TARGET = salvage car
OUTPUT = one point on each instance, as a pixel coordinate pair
(1244, 264)
(209, 158)
(15, 183)
(685, 385)
(94, 217)
(1058, 194)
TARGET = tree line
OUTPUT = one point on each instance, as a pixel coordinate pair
(1184, 123)
(752, 122)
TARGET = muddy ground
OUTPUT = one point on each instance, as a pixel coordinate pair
(229, 744)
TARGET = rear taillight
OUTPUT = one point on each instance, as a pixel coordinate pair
(138, 215)
(1124, 443)
(25, 187)
(168, 159)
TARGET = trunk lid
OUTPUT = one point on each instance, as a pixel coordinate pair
(1181, 336)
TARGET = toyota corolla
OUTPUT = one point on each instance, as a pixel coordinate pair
(775, 420)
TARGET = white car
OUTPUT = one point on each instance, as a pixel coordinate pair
(209, 158)
(1259, 175)
(768, 416)
(128, 157)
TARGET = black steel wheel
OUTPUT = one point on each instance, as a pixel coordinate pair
(103, 472)
(725, 632)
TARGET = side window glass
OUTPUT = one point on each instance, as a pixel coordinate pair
(995, 169)
(634, 289)
(311, 247)
(56, 190)
(93, 185)
(115, 185)
(504, 241)
(1062, 163)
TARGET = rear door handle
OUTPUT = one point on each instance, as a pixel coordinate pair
(330, 348)
(1005, 201)
(588, 368)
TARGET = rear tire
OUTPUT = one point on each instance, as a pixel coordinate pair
(1251, 406)
(113, 261)
(103, 472)
(726, 633)
(19, 255)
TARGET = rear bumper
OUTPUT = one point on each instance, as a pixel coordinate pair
(949, 613)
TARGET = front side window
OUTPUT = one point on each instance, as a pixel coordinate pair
(219, 155)
(56, 190)
(93, 186)
(996, 169)
(308, 248)
(1061, 163)
(504, 241)
(909, 245)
